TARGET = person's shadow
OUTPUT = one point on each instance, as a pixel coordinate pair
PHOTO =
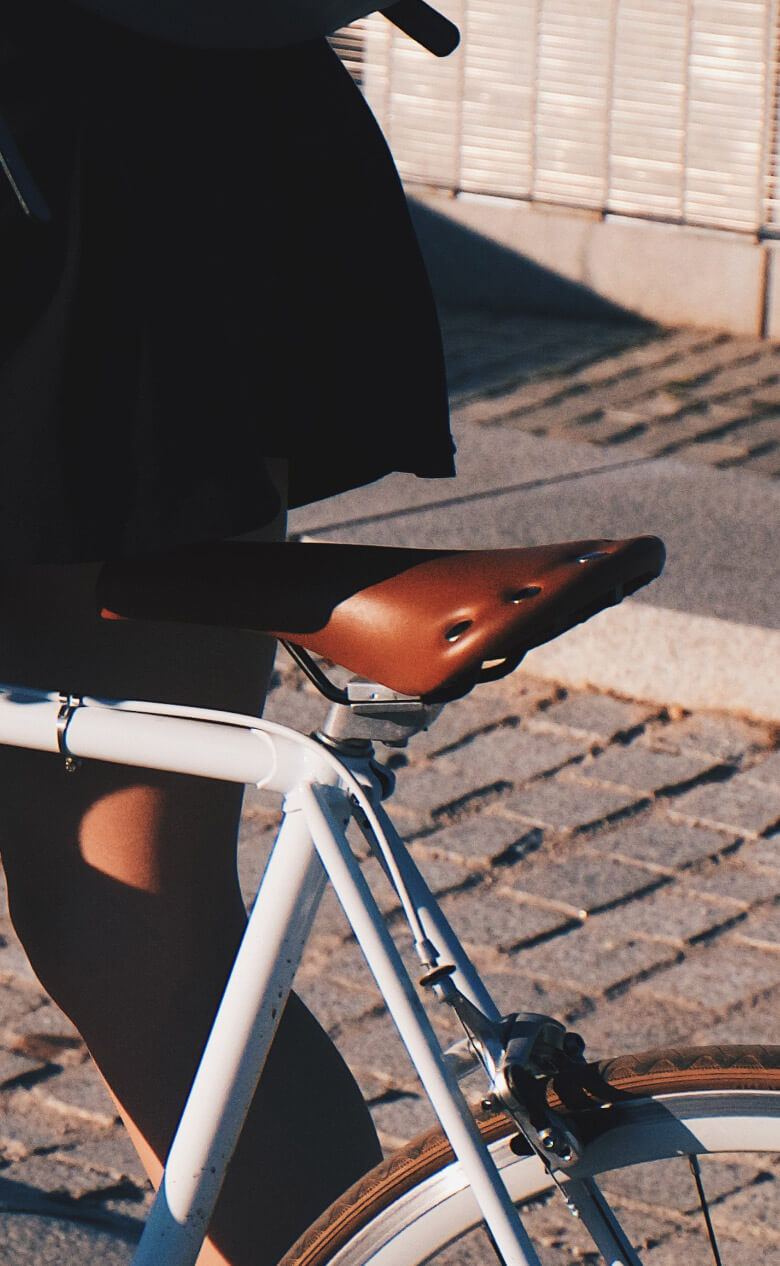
(469, 271)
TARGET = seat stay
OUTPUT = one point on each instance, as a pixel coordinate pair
(414, 1027)
(437, 929)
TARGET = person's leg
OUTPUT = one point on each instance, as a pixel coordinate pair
(123, 888)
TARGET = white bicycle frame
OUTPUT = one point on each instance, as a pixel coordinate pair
(322, 792)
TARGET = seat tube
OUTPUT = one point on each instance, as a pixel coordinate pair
(235, 1053)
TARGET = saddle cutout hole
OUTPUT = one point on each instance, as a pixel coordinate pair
(596, 553)
(458, 630)
(522, 595)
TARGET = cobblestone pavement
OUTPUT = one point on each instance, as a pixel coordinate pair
(696, 395)
(613, 863)
(607, 861)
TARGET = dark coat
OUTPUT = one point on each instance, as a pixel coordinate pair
(229, 274)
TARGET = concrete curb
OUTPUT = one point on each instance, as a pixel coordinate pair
(669, 657)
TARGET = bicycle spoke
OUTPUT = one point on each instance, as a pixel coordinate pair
(693, 1162)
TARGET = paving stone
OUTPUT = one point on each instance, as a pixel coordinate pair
(442, 874)
(373, 1045)
(491, 920)
(594, 716)
(658, 843)
(106, 1151)
(17, 1006)
(743, 1026)
(346, 964)
(580, 884)
(725, 975)
(692, 1249)
(333, 1000)
(26, 1124)
(741, 804)
(476, 712)
(479, 839)
(41, 1019)
(567, 804)
(340, 964)
(671, 1187)
(724, 737)
(255, 842)
(723, 453)
(626, 1023)
(762, 855)
(14, 1065)
(382, 890)
(130, 1208)
(79, 1092)
(668, 348)
(612, 427)
(330, 920)
(748, 1216)
(679, 430)
(636, 765)
(14, 965)
(301, 709)
(760, 929)
(513, 755)
(554, 1231)
(769, 1003)
(50, 1174)
(513, 992)
(742, 1237)
(670, 914)
(262, 806)
(398, 1120)
(707, 389)
(763, 464)
(589, 962)
(729, 881)
(766, 771)
(736, 372)
(424, 791)
(46, 1240)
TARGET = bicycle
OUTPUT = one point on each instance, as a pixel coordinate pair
(420, 627)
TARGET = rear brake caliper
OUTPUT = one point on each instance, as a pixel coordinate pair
(536, 1048)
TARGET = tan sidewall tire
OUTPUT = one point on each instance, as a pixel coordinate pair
(628, 1079)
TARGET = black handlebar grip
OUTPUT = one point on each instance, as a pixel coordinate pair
(425, 25)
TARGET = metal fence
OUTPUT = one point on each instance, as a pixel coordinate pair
(658, 109)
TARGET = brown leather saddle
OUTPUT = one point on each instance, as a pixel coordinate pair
(427, 623)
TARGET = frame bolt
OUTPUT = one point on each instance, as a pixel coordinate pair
(551, 1141)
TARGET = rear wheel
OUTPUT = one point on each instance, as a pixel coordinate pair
(684, 1142)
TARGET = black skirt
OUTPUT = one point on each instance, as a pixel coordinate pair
(230, 274)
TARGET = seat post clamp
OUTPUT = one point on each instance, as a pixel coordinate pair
(68, 705)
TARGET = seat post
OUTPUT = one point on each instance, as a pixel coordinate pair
(377, 714)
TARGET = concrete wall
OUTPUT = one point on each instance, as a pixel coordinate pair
(520, 256)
